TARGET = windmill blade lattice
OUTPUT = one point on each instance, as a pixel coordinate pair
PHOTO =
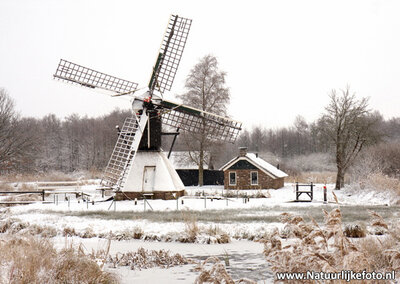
(71, 72)
(195, 120)
(170, 53)
(124, 152)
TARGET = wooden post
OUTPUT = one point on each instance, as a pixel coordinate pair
(312, 185)
(297, 191)
(43, 195)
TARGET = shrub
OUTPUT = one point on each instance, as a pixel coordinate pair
(33, 260)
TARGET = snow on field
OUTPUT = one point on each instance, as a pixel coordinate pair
(57, 213)
(66, 211)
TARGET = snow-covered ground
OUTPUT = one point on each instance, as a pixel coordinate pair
(239, 218)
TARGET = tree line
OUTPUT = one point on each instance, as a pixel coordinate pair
(50, 143)
(82, 143)
(303, 138)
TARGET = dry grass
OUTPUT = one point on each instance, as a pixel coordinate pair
(87, 233)
(22, 197)
(5, 186)
(191, 227)
(13, 226)
(135, 233)
(143, 259)
(355, 230)
(33, 260)
(248, 193)
(305, 246)
(26, 187)
(198, 234)
(69, 232)
(380, 181)
(212, 270)
(192, 233)
(53, 176)
(50, 176)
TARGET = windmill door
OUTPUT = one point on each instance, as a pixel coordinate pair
(148, 178)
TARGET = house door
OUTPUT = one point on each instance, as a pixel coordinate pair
(149, 174)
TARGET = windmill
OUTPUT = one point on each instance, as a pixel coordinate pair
(137, 164)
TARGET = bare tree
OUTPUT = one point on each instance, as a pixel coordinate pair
(14, 139)
(206, 90)
(349, 125)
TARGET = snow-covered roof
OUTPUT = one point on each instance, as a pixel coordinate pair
(259, 163)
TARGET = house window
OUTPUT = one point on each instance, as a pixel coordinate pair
(254, 178)
(232, 178)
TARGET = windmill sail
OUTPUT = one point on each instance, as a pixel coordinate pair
(86, 77)
(170, 53)
(195, 120)
(124, 152)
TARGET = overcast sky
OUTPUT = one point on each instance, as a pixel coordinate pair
(282, 58)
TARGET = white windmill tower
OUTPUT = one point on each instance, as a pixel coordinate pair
(137, 164)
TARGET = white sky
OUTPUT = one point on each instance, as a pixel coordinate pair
(282, 57)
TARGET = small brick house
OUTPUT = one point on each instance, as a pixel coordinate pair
(248, 171)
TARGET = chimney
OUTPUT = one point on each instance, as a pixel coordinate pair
(242, 151)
